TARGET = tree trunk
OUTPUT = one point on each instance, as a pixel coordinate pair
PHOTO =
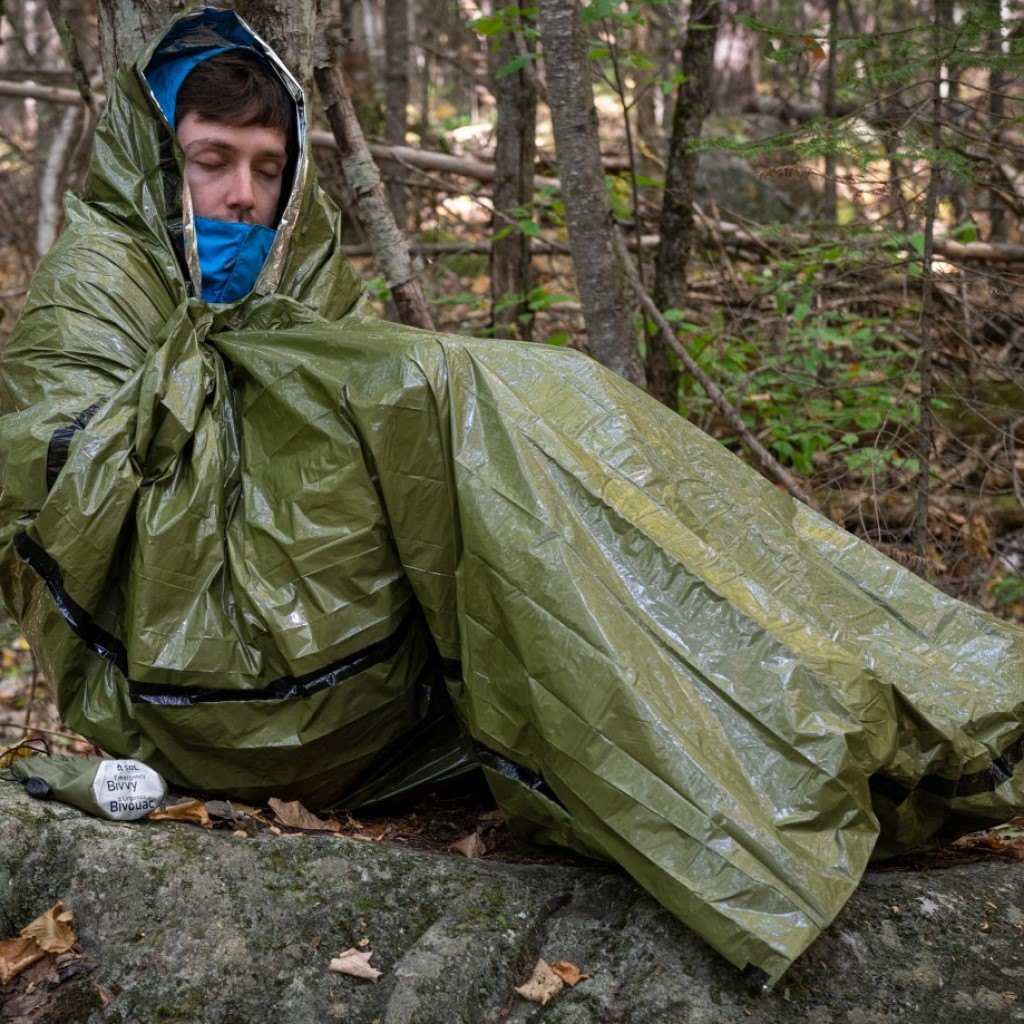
(693, 100)
(126, 25)
(604, 291)
(289, 29)
(830, 196)
(737, 67)
(514, 156)
(997, 109)
(389, 246)
(396, 92)
(48, 222)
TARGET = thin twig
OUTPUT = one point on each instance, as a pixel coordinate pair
(768, 463)
(31, 696)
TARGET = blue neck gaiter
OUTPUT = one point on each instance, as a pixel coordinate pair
(231, 256)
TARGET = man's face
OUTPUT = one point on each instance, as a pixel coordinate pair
(233, 174)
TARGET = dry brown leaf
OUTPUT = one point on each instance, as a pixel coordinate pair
(16, 955)
(184, 810)
(542, 985)
(470, 846)
(496, 816)
(816, 55)
(363, 942)
(52, 930)
(293, 815)
(356, 963)
(248, 810)
(569, 973)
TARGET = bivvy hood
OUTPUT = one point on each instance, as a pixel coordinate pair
(249, 541)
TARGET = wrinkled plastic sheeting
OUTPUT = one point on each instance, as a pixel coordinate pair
(274, 547)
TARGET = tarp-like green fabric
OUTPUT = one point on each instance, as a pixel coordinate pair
(247, 542)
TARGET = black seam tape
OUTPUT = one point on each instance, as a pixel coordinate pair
(452, 669)
(280, 689)
(100, 642)
(60, 443)
(985, 781)
(510, 769)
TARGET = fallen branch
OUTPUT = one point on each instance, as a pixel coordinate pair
(422, 159)
(769, 465)
(995, 252)
(47, 93)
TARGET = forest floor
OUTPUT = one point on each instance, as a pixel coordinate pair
(460, 819)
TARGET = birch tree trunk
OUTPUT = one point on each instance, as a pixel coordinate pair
(693, 100)
(604, 291)
(514, 154)
(390, 250)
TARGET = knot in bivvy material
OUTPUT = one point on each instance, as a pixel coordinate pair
(276, 546)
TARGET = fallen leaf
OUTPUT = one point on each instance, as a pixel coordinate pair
(222, 810)
(248, 810)
(816, 55)
(16, 955)
(363, 943)
(355, 963)
(184, 810)
(293, 815)
(104, 998)
(315, 941)
(470, 846)
(52, 931)
(495, 817)
(542, 985)
(569, 973)
(240, 833)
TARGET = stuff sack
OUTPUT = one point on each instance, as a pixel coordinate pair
(120, 789)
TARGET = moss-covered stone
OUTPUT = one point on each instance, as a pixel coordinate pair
(193, 927)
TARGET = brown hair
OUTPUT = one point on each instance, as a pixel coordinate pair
(236, 88)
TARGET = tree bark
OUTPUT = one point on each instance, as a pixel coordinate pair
(737, 67)
(126, 25)
(289, 28)
(941, 32)
(830, 197)
(693, 100)
(389, 246)
(514, 155)
(997, 109)
(604, 291)
(396, 92)
(48, 222)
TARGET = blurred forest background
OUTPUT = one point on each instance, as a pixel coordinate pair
(797, 222)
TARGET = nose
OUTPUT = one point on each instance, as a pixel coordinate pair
(241, 195)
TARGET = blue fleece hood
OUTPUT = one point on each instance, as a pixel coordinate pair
(231, 254)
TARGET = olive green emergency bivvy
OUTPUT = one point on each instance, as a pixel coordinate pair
(258, 546)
